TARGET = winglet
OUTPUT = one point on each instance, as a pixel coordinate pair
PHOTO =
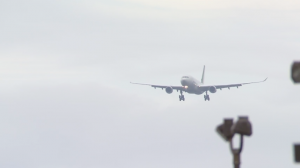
(254, 82)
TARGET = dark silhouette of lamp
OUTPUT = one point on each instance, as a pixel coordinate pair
(225, 129)
(228, 129)
(296, 72)
(297, 152)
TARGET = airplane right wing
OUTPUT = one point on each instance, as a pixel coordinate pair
(232, 85)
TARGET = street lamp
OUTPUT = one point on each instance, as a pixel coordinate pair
(297, 152)
(296, 72)
(228, 129)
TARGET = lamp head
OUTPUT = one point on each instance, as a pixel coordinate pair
(296, 72)
(242, 126)
(224, 129)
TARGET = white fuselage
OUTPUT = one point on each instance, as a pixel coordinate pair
(191, 85)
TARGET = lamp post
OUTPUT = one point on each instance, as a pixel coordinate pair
(228, 129)
(297, 152)
(295, 75)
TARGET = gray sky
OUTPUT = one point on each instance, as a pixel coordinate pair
(65, 69)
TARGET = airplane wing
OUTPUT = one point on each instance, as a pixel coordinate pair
(161, 86)
(232, 85)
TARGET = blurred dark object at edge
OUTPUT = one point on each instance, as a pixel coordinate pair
(297, 152)
(295, 74)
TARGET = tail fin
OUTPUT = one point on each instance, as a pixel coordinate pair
(202, 79)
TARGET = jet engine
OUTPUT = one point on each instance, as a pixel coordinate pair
(169, 89)
(212, 89)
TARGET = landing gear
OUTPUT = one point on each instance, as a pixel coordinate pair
(206, 97)
(181, 96)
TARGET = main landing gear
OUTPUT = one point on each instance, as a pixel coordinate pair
(206, 97)
(181, 96)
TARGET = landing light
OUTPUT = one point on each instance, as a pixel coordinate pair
(186, 87)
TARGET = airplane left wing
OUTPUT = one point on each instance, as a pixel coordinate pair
(162, 86)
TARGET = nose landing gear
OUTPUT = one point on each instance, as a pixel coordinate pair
(181, 96)
(206, 97)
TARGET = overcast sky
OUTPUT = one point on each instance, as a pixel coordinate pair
(66, 100)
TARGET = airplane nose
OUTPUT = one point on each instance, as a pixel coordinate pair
(183, 82)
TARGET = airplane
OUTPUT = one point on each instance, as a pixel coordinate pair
(193, 86)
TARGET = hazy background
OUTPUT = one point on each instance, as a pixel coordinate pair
(66, 100)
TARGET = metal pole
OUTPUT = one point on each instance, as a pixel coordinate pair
(236, 159)
(237, 152)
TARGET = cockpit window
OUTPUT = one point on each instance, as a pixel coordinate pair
(185, 77)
